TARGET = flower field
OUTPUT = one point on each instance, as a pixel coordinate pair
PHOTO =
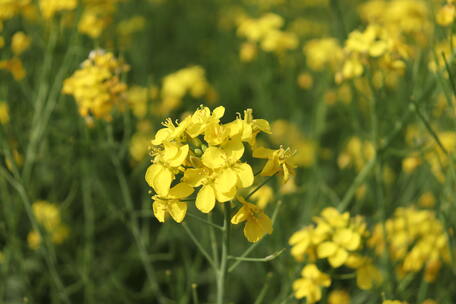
(228, 151)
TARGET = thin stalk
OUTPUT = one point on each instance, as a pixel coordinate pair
(221, 275)
(199, 245)
(133, 225)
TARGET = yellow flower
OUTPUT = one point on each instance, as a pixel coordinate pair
(309, 286)
(176, 86)
(50, 7)
(446, 14)
(321, 53)
(222, 175)
(339, 296)
(337, 249)
(279, 161)
(4, 113)
(166, 164)
(97, 87)
(258, 223)
(171, 203)
(15, 67)
(248, 127)
(303, 243)
(93, 24)
(47, 215)
(20, 43)
(394, 302)
(248, 51)
(367, 275)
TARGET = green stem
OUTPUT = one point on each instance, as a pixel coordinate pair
(221, 274)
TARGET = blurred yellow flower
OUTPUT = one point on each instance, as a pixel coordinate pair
(20, 43)
(96, 86)
(339, 296)
(310, 284)
(47, 215)
(50, 7)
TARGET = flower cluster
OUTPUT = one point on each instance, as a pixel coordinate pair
(415, 239)
(96, 16)
(265, 32)
(176, 86)
(322, 53)
(435, 153)
(96, 86)
(356, 153)
(338, 239)
(50, 7)
(446, 13)
(20, 42)
(48, 216)
(375, 45)
(204, 155)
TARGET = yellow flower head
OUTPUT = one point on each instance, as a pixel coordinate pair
(202, 152)
(310, 284)
(20, 43)
(50, 7)
(96, 86)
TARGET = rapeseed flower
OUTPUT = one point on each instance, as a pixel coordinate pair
(206, 155)
(310, 284)
(96, 86)
(48, 216)
(257, 222)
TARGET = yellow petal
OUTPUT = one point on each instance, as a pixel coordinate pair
(193, 177)
(214, 158)
(234, 149)
(177, 210)
(338, 258)
(162, 181)
(181, 190)
(245, 175)
(326, 249)
(219, 112)
(225, 181)
(151, 172)
(159, 208)
(205, 200)
(257, 227)
(240, 216)
(225, 196)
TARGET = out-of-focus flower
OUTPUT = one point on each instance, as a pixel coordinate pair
(265, 31)
(47, 215)
(310, 284)
(176, 86)
(322, 53)
(20, 43)
(415, 239)
(339, 296)
(356, 153)
(50, 7)
(96, 86)
(15, 67)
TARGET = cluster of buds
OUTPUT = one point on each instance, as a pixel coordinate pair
(204, 155)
